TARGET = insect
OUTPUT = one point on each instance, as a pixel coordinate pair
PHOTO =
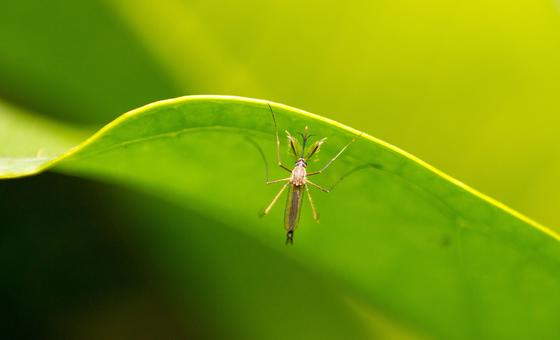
(298, 183)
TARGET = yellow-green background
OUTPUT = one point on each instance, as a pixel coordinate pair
(469, 86)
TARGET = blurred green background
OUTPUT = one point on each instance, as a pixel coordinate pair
(468, 86)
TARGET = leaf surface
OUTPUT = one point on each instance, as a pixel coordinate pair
(400, 237)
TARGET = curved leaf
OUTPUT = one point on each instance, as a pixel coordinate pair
(398, 236)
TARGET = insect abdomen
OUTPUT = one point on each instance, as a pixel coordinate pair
(293, 207)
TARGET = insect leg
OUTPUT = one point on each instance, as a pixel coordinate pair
(333, 159)
(313, 209)
(278, 180)
(274, 200)
(318, 186)
(280, 164)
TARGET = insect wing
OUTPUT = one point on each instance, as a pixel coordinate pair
(293, 207)
(295, 148)
(315, 148)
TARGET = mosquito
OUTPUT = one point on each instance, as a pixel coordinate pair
(298, 183)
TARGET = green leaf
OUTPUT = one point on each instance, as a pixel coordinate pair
(162, 272)
(398, 238)
(470, 90)
(29, 143)
(462, 92)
